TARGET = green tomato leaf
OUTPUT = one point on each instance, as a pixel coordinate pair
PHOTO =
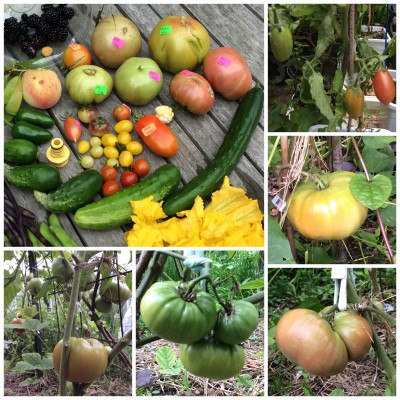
(278, 245)
(254, 284)
(337, 84)
(318, 255)
(322, 101)
(372, 194)
(377, 161)
(388, 215)
(336, 392)
(311, 303)
(378, 142)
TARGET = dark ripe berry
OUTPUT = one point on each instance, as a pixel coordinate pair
(62, 23)
(62, 34)
(23, 27)
(38, 41)
(23, 38)
(46, 7)
(27, 48)
(33, 20)
(24, 17)
(10, 36)
(43, 28)
(51, 17)
(52, 35)
(68, 12)
(10, 22)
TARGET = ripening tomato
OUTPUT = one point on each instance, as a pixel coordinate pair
(157, 136)
(72, 129)
(354, 99)
(18, 321)
(384, 87)
(121, 112)
(309, 341)
(332, 213)
(110, 187)
(192, 91)
(128, 178)
(76, 55)
(108, 173)
(141, 167)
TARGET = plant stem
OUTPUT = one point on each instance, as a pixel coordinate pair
(146, 340)
(121, 344)
(173, 254)
(382, 314)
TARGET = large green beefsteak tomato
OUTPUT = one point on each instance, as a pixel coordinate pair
(237, 325)
(309, 341)
(326, 214)
(174, 318)
(355, 332)
(210, 358)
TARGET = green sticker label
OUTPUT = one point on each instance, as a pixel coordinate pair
(100, 89)
(165, 30)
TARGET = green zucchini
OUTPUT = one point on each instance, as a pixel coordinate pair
(73, 194)
(43, 177)
(115, 210)
(20, 151)
(34, 117)
(234, 145)
(36, 134)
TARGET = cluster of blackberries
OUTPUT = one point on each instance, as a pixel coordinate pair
(34, 32)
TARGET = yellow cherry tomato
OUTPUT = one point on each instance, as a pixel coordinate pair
(124, 137)
(109, 140)
(83, 146)
(95, 141)
(135, 148)
(123, 126)
(96, 151)
(111, 152)
(125, 159)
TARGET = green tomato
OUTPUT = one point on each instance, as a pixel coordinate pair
(111, 293)
(102, 305)
(87, 162)
(212, 359)
(138, 80)
(281, 43)
(62, 271)
(96, 151)
(170, 316)
(88, 279)
(237, 326)
(34, 286)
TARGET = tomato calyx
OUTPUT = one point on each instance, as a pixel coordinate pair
(99, 126)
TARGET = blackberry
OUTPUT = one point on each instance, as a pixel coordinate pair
(62, 23)
(43, 28)
(23, 27)
(62, 34)
(24, 17)
(11, 23)
(38, 41)
(46, 7)
(10, 36)
(68, 12)
(33, 20)
(52, 36)
(23, 38)
(26, 48)
(51, 17)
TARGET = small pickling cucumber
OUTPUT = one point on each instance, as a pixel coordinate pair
(115, 210)
(33, 133)
(73, 194)
(20, 152)
(34, 117)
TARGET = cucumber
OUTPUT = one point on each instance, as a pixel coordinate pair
(20, 151)
(115, 210)
(43, 177)
(36, 134)
(234, 145)
(34, 117)
(73, 194)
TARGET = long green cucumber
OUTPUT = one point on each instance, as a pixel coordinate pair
(234, 145)
(75, 193)
(34, 117)
(116, 210)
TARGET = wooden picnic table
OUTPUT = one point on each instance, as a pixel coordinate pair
(229, 25)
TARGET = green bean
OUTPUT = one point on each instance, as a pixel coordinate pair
(46, 232)
(59, 231)
(34, 240)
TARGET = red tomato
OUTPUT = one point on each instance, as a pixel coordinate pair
(141, 167)
(228, 72)
(128, 178)
(157, 136)
(76, 55)
(384, 87)
(110, 187)
(72, 129)
(192, 91)
(108, 173)
(122, 112)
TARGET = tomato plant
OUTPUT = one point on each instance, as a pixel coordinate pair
(168, 314)
(141, 167)
(330, 213)
(72, 129)
(121, 112)
(228, 72)
(87, 360)
(108, 173)
(210, 358)
(384, 87)
(354, 98)
(192, 91)
(355, 332)
(128, 178)
(110, 187)
(157, 136)
(309, 341)
(76, 55)
(18, 321)
(236, 325)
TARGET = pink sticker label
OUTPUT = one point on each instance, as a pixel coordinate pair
(154, 75)
(77, 123)
(186, 72)
(118, 42)
(221, 60)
